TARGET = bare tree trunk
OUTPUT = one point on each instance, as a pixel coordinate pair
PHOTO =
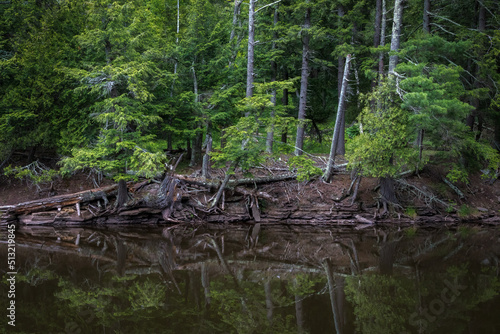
(382, 39)
(205, 170)
(237, 4)
(426, 19)
(250, 54)
(427, 30)
(176, 43)
(340, 149)
(299, 142)
(340, 110)
(497, 131)
(481, 26)
(396, 34)
(378, 21)
(378, 30)
(229, 172)
(284, 101)
(420, 144)
(122, 196)
(274, 70)
(196, 147)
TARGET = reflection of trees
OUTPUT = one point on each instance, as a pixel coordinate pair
(429, 296)
(223, 283)
(382, 304)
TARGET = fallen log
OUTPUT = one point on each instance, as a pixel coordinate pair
(63, 200)
(215, 184)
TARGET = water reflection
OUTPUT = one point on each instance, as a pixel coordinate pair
(255, 279)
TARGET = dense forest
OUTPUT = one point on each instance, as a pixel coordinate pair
(114, 87)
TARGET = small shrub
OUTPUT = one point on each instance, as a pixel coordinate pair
(466, 211)
(305, 167)
(411, 212)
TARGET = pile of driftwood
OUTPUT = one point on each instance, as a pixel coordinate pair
(177, 198)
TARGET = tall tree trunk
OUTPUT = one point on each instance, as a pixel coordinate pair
(250, 53)
(205, 170)
(497, 130)
(340, 149)
(481, 26)
(236, 12)
(427, 30)
(299, 142)
(284, 101)
(274, 71)
(426, 18)
(378, 21)
(196, 146)
(340, 110)
(376, 35)
(176, 43)
(396, 34)
(198, 139)
(382, 39)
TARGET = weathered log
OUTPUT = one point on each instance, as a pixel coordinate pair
(62, 200)
(454, 188)
(215, 184)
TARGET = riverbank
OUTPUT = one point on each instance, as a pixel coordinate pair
(271, 196)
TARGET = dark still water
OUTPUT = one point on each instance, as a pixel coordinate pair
(252, 279)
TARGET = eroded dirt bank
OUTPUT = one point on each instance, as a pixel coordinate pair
(270, 197)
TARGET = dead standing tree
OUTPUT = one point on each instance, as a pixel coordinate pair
(338, 123)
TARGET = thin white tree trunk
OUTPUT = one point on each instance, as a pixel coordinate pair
(382, 39)
(176, 43)
(250, 53)
(274, 70)
(396, 34)
(340, 116)
(299, 141)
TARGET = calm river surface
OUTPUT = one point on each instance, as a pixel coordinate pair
(252, 279)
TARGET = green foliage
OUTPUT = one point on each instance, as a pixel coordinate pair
(465, 211)
(382, 304)
(35, 173)
(243, 146)
(382, 149)
(411, 212)
(243, 308)
(305, 167)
